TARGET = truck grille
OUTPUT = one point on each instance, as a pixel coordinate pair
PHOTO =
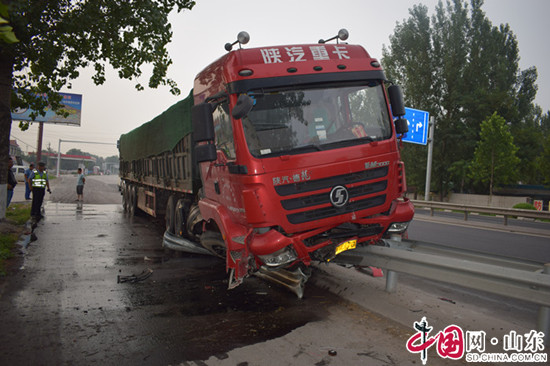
(316, 198)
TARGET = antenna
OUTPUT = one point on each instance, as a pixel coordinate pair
(343, 34)
(242, 38)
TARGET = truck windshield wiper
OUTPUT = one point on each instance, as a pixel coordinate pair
(312, 147)
(351, 142)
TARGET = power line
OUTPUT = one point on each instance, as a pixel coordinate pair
(23, 142)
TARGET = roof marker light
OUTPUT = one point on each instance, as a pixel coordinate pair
(246, 72)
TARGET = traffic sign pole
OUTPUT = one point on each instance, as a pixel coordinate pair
(430, 156)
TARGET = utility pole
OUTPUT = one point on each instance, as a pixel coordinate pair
(39, 142)
(431, 131)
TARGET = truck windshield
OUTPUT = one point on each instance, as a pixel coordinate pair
(299, 121)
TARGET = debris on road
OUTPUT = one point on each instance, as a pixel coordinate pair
(145, 274)
(447, 300)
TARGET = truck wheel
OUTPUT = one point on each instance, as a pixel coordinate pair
(213, 241)
(179, 218)
(169, 215)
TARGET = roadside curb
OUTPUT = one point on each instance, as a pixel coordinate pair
(26, 237)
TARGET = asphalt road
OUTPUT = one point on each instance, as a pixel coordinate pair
(98, 189)
(523, 239)
(65, 307)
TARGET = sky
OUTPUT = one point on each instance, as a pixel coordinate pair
(199, 35)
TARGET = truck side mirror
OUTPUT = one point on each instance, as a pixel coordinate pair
(243, 106)
(396, 100)
(203, 122)
(205, 152)
(401, 126)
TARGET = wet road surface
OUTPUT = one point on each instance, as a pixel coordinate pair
(72, 302)
(65, 307)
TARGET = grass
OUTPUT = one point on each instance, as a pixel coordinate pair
(524, 206)
(16, 217)
(19, 213)
(7, 244)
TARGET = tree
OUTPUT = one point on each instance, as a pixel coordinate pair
(112, 159)
(543, 161)
(6, 31)
(60, 37)
(461, 69)
(495, 161)
(410, 66)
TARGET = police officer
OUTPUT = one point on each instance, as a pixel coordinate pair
(38, 181)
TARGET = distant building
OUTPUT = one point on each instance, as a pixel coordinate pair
(15, 152)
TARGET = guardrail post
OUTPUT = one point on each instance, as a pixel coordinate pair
(505, 220)
(543, 322)
(391, 281)
(391, 276)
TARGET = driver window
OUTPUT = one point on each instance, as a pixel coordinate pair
(224, 130)
(368, 109)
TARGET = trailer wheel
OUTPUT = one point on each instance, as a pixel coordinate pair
(179, 218)
(213, 241)
(125, 203)
(132, 200)
(169, 215)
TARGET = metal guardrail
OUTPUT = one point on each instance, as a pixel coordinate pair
(515, 278)
(506, 212)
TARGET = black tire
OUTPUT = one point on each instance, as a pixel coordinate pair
(169, 215)
(179, 218)
(132, 200)
(125, 204)
(213, 241)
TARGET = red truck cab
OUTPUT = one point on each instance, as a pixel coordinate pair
(298, 155)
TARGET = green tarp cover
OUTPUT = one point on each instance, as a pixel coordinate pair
(159, 135)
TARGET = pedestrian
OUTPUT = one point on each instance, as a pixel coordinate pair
(27, 186)
(38, 181)
(12, 182)
(80, 186)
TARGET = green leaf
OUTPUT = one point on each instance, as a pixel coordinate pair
(7, 35)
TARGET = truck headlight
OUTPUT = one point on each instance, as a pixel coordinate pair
(280, 257)
(398, 227)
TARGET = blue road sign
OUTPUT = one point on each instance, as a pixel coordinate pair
(418, 126)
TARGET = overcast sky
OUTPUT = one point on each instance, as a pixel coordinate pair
(200, 34)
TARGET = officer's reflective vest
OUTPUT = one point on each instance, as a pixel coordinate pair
(39, 180)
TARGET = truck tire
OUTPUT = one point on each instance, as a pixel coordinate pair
(179, 218)
(132, 200)
(169, 214)
(125, 203)
(213, 241)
